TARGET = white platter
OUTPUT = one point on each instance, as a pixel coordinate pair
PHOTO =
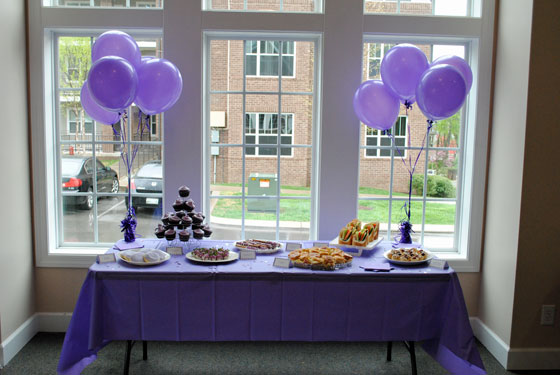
(143, 264)
(370, 245)
(405, 263)
(231, 257)
(260, 251)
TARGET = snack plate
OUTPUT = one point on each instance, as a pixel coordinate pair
(165, 259)
(231, 257)
(321, 268)
(405, 263)
(260, 251)
(359, 249)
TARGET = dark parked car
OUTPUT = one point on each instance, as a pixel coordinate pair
(77, 176)
(148, 179)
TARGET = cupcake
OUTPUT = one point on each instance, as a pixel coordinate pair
(197, 218)
(197, 226)
(198, 234)
(160, 231)
(191, 213)
(174, 220)
(184, 235)
(186, 221)
(203, 216)
(170, 234)
(165, 219)
(189, 205)
(180, 214)
(184, 191)
(178, 205)
(207, 231)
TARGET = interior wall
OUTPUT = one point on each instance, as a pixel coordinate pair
(538, 259)
(16, 254)
(497, 283)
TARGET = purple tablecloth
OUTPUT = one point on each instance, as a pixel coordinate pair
(181, 300)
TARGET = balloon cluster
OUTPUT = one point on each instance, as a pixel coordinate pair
(119, 76)
(439, 88)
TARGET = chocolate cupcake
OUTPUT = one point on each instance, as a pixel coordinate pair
(191, 213)
(197, 226)
(174, 220)
(189, 205)
(184, 235)
(184, 191)
(178, 205)
(203, 216)
(207, 231)
(198, 234)
(197, 218)
(180, 214)
(170, 235)
(165, 219)
(186, 221)
(160, 231)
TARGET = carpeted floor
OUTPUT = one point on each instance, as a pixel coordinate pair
(40, 356)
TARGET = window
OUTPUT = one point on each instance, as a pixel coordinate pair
(300, 6)
(262, 58)
(424, 7)
(105, 3)
(376, 52)
(262, 129)
(259, 173)
(374, 138)
(75, 123)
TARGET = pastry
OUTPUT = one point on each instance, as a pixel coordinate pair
(326, 258)
(178, 205)
(165, 219)
(198, 234)
(186, 221)
(345, 236)
(207, 231)
(160, 231)
(197, 218)
(170, 234)
(212, 253)
(408, 254)
(197, 226)
(174, 220)
(360, 238)
(188, 205)
(151, 257)
(184, 235)
(180, 214)
(184, 191)
(257, 245)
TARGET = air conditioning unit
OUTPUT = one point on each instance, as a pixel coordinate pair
(217, 119)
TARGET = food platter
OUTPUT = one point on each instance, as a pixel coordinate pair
(319, 267)
(278, 247)
(231, 257)
(408, 263)
(164, 257)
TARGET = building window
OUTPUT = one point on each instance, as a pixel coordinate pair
(262, 129)
(104, 3)
(463, 8)
(299, 6)
(75, 123)
(375, 138)
(262, 58)
(376, 52)
(252, 153)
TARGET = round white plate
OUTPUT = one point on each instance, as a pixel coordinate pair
(261, 251)
(405, 263)
(166, 258)
(231, 256)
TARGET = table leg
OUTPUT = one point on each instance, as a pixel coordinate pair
(144, 350)
(389, 349)
(129, 344)
(410, 346)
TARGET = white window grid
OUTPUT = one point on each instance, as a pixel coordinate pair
(146, 4)
(207, 5)
(375, 54)
(284, 133)
(399, 131)
(92, 145)
(424, 157)
(245, 37)
(259, 54)
(473, 6)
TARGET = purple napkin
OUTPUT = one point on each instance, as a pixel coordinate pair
(123, 245)
(377, 266)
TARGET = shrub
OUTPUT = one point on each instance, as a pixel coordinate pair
(438, 186)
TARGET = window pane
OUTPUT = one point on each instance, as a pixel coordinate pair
(105, 3)
(226, 64)
(294, 211)
(295, 172)
(269, 65)
(418, 7)
(288, 66)
(374, 210)
(225, 218)
(264, 5)
(398, 214)
(251, 65)
(298, 70)
(439, 232)
(226, 171)
(268, 5)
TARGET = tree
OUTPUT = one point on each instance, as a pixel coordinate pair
(74, 61)
(448, 132)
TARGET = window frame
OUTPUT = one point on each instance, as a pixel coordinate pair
(258, 135)
(379, 136)
(258, 56)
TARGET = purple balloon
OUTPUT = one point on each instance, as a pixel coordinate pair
(159, 86)
(375, 105)
(112, 83)
(94, 110)
(441, 92)
(116, 43)
(401, 69)
(458, 63)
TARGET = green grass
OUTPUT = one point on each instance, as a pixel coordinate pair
(290, 210)
(436, 213)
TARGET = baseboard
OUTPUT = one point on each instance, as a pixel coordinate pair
(39, 322)
(515, 358)
(495, 345)
(18, 339)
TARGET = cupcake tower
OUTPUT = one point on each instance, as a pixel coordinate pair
(183, 218)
